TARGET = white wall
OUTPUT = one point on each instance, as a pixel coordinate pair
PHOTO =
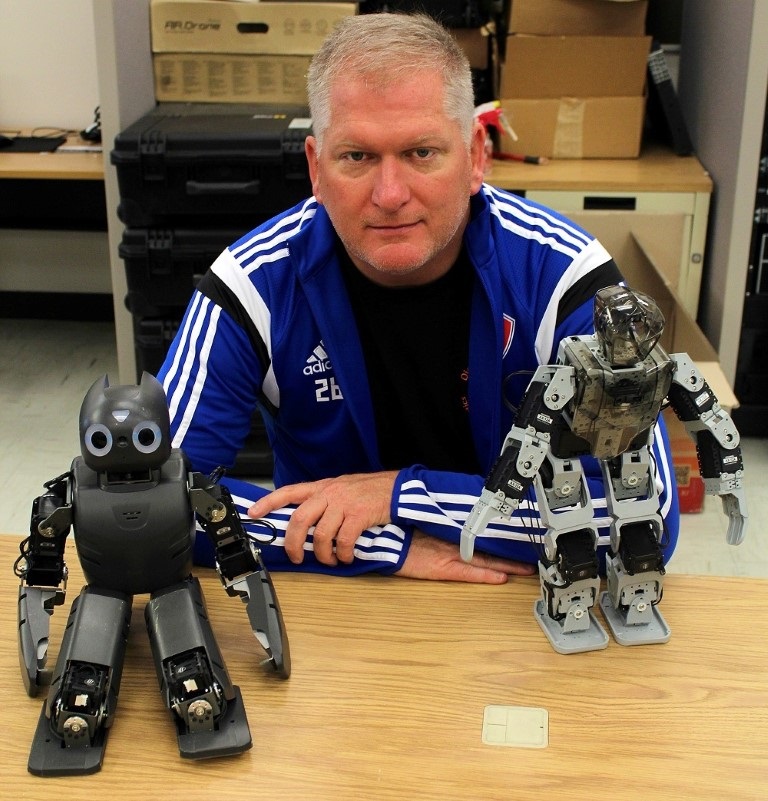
(47, 63)
(48, 78)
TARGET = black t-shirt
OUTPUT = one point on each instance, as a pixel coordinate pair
(416, 346)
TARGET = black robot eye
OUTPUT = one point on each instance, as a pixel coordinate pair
(98, 439)
(147, 437)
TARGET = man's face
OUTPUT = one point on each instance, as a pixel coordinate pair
(395, 177)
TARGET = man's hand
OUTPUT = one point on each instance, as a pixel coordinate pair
(431, 558)
(339, 508)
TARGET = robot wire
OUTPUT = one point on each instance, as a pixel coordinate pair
(508, 403)
(249, 521)
(534, 532)
(214, 478)
(18, 571)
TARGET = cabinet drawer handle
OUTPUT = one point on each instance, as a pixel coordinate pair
(597, 203)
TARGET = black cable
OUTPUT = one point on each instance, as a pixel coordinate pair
(534, 532)
(260, 522)
(23, 557)
(508, 403)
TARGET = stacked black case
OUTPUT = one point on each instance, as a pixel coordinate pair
(192, 179)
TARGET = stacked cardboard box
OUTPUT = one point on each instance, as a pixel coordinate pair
(219, 51)
(573, 77)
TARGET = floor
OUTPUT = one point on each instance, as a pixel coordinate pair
(46, 367)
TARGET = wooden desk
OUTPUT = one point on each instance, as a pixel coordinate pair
(53, 222)
(657, 170)
(390, 680)
(56, 165)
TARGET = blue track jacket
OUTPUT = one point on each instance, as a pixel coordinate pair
(271, 326)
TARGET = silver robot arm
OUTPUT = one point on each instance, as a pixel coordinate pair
(521, 457)
(522, 454)
(717, 442)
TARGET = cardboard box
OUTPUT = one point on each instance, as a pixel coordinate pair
(221, 78)
(578, 17)
(574, 66)
(575, 128)
(221, 26)
(476, 44)
(634, 252)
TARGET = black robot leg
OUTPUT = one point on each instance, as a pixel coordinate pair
(207, 708)
(72, 729)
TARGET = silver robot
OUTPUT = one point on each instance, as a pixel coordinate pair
(133, 502)
(602, 399)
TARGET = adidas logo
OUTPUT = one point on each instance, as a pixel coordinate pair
(318, 362)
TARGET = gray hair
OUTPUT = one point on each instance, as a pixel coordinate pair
(386, 48)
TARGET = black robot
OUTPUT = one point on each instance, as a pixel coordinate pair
(133, 502)
(602, 399)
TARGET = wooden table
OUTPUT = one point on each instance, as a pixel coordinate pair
(657, 169)
(53, 222)
(390, 681)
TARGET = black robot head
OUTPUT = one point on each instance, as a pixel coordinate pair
(125, 428)
(628, 323)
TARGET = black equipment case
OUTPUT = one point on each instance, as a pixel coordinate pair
(241, 162)
(193, 178)
(152, 337)
(164, 265)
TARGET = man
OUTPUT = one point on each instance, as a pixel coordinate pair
(381, 324)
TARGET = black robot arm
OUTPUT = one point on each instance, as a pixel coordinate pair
(240, 566)
(43, 573)
(220, 520)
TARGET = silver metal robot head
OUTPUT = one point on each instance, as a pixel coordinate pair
(125, 428)
(628, 324)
